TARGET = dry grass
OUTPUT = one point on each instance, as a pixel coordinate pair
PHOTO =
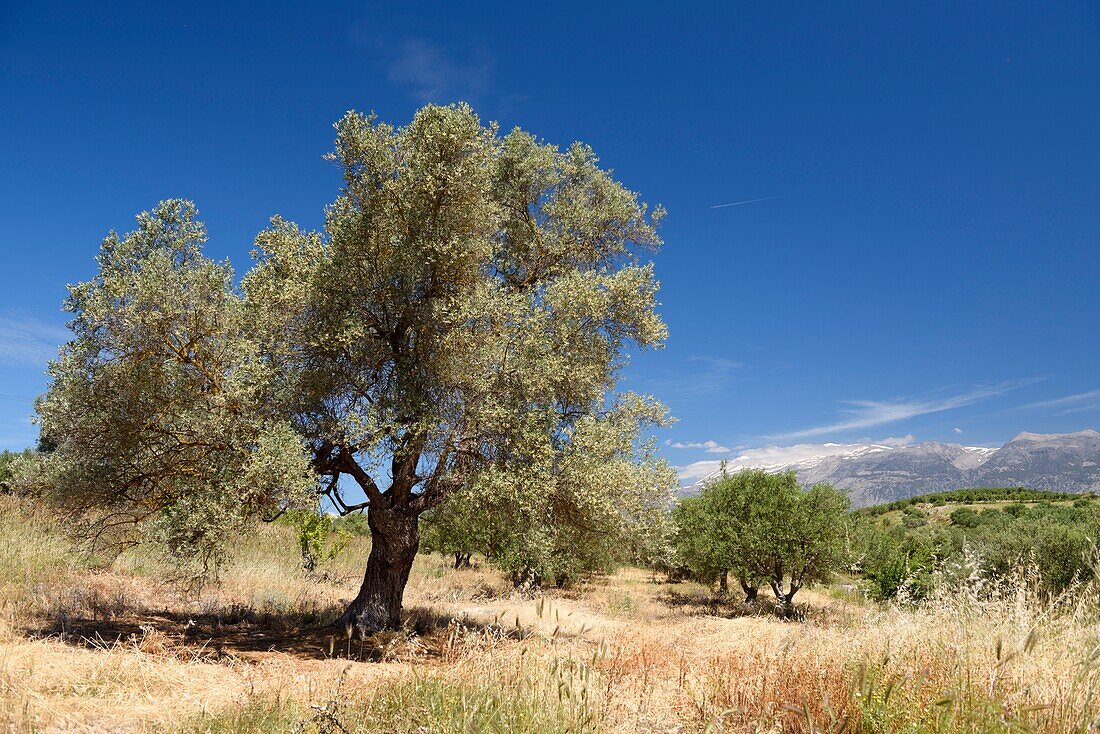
(625, 654)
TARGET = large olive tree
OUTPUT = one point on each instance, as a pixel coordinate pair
(457, 326)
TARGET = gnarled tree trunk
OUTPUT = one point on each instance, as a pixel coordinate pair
(395, 538)
(785, 598)
(750, 591)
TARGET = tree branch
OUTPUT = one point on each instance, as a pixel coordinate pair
(349, 465)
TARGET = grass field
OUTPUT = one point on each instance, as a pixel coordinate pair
(87, 645)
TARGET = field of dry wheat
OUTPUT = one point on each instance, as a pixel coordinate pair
(88, 644)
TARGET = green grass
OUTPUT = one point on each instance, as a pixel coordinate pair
(32, 548)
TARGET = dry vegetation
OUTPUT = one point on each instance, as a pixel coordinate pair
(88, 646)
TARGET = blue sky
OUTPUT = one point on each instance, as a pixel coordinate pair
(917, 259)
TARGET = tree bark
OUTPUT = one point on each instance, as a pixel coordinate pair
(785, 598)
(723, 582)
(750, 591)
(395, 538)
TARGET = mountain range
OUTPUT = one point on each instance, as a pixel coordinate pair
(874, 473)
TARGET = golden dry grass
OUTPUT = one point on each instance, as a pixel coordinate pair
(624, 654)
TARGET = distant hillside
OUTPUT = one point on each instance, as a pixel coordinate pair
(977, 496)
(1065, 462)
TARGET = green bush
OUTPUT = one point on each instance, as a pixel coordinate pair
(1054, 539)
(964, 517)
(320, 538)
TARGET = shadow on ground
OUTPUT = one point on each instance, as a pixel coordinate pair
(247, 636)
(729, 607)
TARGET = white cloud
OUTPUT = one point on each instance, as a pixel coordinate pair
(697, 470)
(433, 75)
(957, 430)
(1078, 403)
(711, 447)
(870, 413)
(896, 441)
(28, 342)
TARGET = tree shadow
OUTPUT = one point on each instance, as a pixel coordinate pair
(246, 635)
(707, 604)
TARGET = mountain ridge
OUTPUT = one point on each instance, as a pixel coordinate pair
(874, 472)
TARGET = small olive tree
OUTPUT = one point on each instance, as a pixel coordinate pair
(457, 527)
(766, 528)
(710, 536)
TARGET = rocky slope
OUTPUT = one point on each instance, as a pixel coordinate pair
(1064, 462)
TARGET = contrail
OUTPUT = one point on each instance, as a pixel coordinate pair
(747, 201)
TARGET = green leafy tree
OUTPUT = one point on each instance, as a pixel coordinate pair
(806, 544)
(458, 324)
(457, 527)
(697, 541)
(153, 412)
(713, 531)
(10, 464)
(765, 527)
(320, 537)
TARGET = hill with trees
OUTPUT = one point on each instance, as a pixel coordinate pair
(900, 547)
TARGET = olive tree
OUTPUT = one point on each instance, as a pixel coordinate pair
(711, 535)
(766, 528)
(553, 527)
(458, 325)
(794, 536)
(153, 411)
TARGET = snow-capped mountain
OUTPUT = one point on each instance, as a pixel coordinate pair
(1067, 462)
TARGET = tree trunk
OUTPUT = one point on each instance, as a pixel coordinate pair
(750, 591)
(785, 598)
(462, 560)
(724, 582)
(395, 538)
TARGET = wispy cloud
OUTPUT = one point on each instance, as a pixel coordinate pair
(29, 342)
(957, 430)
(711, 447)
(1078, 403)
(701, 377)
(433, 74)
(746, 201)
(870, 413)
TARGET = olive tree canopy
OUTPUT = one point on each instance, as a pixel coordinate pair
(765, 528)
(457, 326)
(153, 408)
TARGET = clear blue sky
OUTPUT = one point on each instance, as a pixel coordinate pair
(928, 265)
